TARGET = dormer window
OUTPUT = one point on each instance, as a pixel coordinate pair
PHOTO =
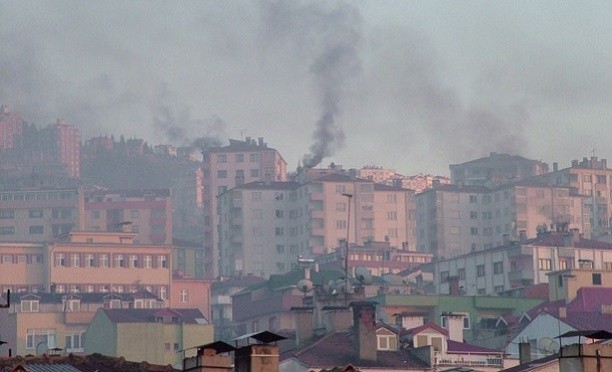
(29, 306)
(386, 342)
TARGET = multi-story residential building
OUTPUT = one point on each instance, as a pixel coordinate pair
(284, 219)
(259, 230)
(496, 169)
(226, 167)
(11, 128)
(187, 201)
(418, 182)
(62, 144)
(23, 267)
(378, 257)
(38, 322)
(107, 262)
(454, 219)
(154, 335)
(148, 211)
(188, 258)
(189, 293)
(38, 215)
(520, 264)
(593, 179)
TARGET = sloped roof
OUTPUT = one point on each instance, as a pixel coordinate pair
(591, 299)
(277, 281)
(85, 297)
(530, 366)
(588, 320)
(237, 281)
(83, 363)
(336, 349)
(455, 347)
(430, 325)
(192, 316)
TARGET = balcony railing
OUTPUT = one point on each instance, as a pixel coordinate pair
(468, 360)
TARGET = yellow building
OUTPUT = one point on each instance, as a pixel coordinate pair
(154, 335)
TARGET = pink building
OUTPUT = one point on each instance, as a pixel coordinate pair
(11, 128)
(225, 167)
(63, 145)
(190, 293)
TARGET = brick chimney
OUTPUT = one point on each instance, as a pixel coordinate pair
(364, 326)
(524, 352)
(336, 318)
(303, 324)
(257, 357)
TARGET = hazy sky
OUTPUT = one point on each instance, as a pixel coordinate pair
(408, 85)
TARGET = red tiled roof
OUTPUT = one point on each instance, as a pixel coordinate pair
(336, 349)
(86, 363)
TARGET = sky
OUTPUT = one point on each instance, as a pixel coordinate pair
(413, 86)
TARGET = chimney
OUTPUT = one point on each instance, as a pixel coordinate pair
(364, 326)
(563, 312)
(336, 318)
(412, 320)
(257, 357)
(454, 326)
(524, 352)
(260, 141)
(303, 324)
(247, 140)
(555, 166)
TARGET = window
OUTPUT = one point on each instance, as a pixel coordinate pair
(221, 174)
(278, 213)
(75, 260)
(162, 261)
(239, 158)
(391, 198)
(596, 279)
(340, 189)
(183, 296)
(36, 337)
(7, 214)
(544, 264)
(601, 179)
(119, 261)
(254, 173)
(254, 158)
(279, 231)
(480, 270)
(473, 199)
(74, 342)
(95, 215)
(89, 260)
(134, 213)
(7, 230)
(392, 216)
(134, 261)
(444, 276)
(38, 229)
(341, 224)
(103, 260)
(461, 273)
(7, 258)
(474, 231)
(222, 158)
(386, 342)
(60, 259)
(280, 248)
(35, 213)
(148, 262)
(473, 215)
(256, 196)
(73, 305)
(279, 196)
(29, 306)
(340, 207)
(498, 267)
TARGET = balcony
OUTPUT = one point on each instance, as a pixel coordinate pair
(520, 275)
(221, 300)
(468, 359)
(520, 250)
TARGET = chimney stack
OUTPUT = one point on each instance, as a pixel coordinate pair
(336, 318)
(454, 326)
(304, 328)
(364, 325)
(555, 166)
(524, 352)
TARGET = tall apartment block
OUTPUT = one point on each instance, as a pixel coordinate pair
(11, 128)
(39, 215)
(593, 179)
(496, 169)
(62, 144)
(226, 167)
(454, 220)
(264, 226)
(147, 212)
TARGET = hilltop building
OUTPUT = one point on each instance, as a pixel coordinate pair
(496, 169)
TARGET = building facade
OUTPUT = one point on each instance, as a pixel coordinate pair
(226, 167)
(496, 169)
(62, 144)
(454, 220)
(11, 128)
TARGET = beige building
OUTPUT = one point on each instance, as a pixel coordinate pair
(521, 264)
(226, 167)
(454, 220)
(496, 169)
(107, 262)
(148, 213)
(38, 215)
(23, 267)
(593, 179)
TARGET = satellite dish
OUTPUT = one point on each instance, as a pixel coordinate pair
(363, 274)
(548, 345)
(304, 285)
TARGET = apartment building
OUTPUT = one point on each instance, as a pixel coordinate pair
(520, 264)
(418, 182)
(496, 169)
(148, 212)
(107, 262)
(23, 267)
(226, 167)
(188, 200)
(593, 179)
(454, 219)
(38, 215)
(11, 128)
(38, 322)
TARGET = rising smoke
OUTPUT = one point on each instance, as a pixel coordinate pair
(327, 35)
